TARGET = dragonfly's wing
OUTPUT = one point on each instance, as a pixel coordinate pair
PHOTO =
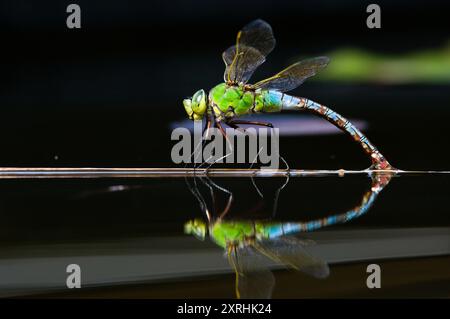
(241, 61)
(253, 278)
(291, 252)
(253, 43)
(294, 75)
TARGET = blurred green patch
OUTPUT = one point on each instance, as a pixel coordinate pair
(355, 65)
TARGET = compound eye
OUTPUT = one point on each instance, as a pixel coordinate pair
(187, 103)
(199, 102)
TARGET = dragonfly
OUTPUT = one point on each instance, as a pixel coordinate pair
(235, 97)
(250, 243)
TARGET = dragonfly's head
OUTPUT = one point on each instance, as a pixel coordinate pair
(196, 106)
(196, 227)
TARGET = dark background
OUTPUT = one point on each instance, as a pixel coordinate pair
(105, 94)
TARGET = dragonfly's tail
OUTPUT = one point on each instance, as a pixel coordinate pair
(379, 181)
(379, 162)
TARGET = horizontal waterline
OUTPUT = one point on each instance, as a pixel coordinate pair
(92, 172)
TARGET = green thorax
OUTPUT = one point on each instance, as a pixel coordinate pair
(233, 100)
(235, 232)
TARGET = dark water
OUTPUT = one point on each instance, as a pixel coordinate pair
(125, 240)
(73, 209)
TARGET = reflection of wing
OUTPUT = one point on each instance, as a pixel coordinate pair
(253, 278)
(294, 75)
(291, 252)
(253, 43)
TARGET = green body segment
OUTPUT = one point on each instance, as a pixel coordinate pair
(236, 232)
(230, 101)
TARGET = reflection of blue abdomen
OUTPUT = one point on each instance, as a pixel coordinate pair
(277, 230)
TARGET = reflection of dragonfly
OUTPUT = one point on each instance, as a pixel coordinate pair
(235, 97)
(248, 242)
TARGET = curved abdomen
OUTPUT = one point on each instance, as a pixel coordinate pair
(275, 101)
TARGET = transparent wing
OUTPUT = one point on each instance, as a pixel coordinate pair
(253, 43)
(241, 61)
(253, 278)
(291, 252)
(294, 75)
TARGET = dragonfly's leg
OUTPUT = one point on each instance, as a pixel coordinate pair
(218, 124)
(201, 200)
(206, 133)
(236, 127)
(194, 189)
(258, 191)
(211, 185)
(234, 122)
(227, 207)
(207, 129)
(378, 160)
(277, 194)
(211, 192)
(230, 199)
